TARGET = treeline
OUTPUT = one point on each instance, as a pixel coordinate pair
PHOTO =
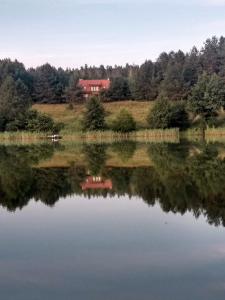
(16, 99)
(172, 75)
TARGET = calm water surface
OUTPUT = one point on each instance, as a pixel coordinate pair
(121, 221)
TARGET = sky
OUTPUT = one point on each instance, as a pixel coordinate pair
(71, 33)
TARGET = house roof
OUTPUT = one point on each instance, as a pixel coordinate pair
(87, 84)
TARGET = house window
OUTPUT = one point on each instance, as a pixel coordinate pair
(94, 88)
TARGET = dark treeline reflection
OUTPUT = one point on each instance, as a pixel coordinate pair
(182, 177)
(19, 181)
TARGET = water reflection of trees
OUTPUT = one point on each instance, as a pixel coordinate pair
(51, 184)
(95, 156)
(178, 180)
(192, 184)
(125, 151)
(16, 173)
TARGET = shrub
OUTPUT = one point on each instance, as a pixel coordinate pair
(70, 106)
(39, 122)
(178, 116)
(124, 122)
(159, 115)
(94, 115)
(32, 121)
(19, 123)
(12, 126)
(165, 115)
(57, 127)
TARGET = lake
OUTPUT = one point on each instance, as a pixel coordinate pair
(112, 221)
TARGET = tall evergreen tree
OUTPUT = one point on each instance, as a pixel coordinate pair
(14, 101)
(210, 58)
(74, 93)
(172, 85)
(49, 85)
(94, 115)
(144, 86)
(119, 89)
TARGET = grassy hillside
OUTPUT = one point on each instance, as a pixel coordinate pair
(71, 118)
(139, 110)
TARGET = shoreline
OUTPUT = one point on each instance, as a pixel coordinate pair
(95, 136)
(147, 135)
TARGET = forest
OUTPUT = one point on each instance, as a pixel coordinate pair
(172, 75)
(196, 77)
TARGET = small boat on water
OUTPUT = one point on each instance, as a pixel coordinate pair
(54, 137)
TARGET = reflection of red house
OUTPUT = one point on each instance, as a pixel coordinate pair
(93, 87)
(96, 183)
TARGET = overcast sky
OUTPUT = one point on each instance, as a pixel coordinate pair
(70, 33)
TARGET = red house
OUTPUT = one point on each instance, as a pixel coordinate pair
(96, 183)
(93, 87)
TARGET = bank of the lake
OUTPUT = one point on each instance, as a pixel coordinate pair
(72, 131)
(22, 136)
(166, 135)
(147, 135)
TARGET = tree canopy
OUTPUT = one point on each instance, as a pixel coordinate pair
(207, 96)
(172, 75)
(14, 101)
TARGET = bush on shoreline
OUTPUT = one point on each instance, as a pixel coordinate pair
(166, 115)
(124, 122)
(37, 122)
(159, 115)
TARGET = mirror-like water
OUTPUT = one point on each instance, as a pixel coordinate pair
(120, 221)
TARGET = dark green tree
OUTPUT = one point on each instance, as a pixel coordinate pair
(191, 70)
(173, 85)
(14, 101)
(94, 115)
(74, 93)
(119, 89)
(49, 84)
(143, 86)
(16, 70)
(211, 56)
(207, 96)
(159, 116)
(178, 116)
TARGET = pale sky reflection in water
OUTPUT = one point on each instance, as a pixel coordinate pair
(109, 248)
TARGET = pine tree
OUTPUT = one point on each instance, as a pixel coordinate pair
(159, 115)
(119, 89)
(74, 93)
(94, 115)
(14, 101)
